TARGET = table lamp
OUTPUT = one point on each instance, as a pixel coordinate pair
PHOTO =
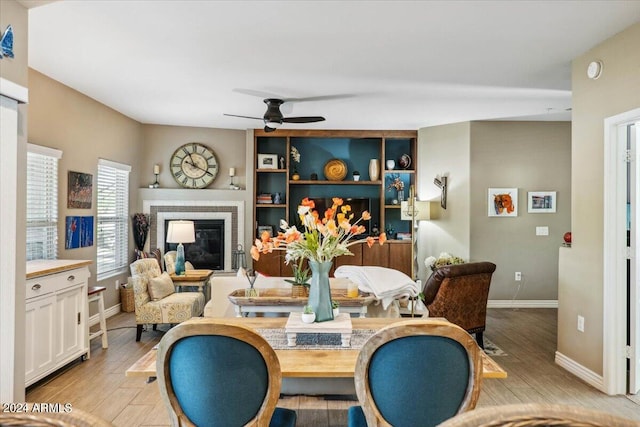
(180, 232)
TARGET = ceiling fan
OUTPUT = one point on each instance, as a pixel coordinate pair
(273, 118)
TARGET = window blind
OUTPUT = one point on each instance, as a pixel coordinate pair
(42, 202)
(112, 217)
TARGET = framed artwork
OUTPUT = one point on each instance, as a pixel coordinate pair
(541, 202)
(79, 190)
(267, 161)
(78, 232)
(503, 202)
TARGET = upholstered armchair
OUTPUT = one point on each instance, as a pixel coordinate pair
(459, 293)
(155, 297)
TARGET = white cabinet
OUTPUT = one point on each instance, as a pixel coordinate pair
(56, 316)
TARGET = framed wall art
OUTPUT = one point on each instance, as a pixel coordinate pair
(502, 202)
(267, 161)
(79, 190)
(541, 202)
(78, 232)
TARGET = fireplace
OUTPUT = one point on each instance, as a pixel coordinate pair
(207, 252)
(230, 214)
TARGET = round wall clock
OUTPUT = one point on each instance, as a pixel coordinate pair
(194, 165)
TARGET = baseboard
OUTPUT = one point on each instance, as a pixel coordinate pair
(580, 371)
(533, 303)
(108, 312)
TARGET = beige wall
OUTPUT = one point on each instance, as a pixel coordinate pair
(160, 142)
(581, 285)
(15, 69)
(444, 150)
(530, 156)
(85, 130)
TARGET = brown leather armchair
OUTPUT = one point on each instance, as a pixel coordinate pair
(459, 293)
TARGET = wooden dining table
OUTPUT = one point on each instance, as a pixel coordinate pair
(304, 363)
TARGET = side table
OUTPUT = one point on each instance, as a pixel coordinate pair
(198, 278)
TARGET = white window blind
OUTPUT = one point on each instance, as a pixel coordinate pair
(42, 202)
(113, 217)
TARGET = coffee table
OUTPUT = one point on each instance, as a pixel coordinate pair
(279, 300)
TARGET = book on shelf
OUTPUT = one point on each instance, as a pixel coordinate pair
(264, 198)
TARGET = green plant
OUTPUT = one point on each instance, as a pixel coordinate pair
(301, 275)
(307, 309)
(442, 260)
(335, 304)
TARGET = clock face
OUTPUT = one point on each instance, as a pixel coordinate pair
(194, 165)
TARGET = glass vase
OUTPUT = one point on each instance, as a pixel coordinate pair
(400, 195)
(320, 292)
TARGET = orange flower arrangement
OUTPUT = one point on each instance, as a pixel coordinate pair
(323, 238)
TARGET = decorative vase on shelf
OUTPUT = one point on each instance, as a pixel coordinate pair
(391, 164)
(320, 292)
(400, 195)
(374, 169)
(295, 176)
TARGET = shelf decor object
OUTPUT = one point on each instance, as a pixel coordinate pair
(374, 169)
(180, 232)
(335, 170)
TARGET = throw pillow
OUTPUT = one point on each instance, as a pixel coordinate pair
(153, 254)
(160, 287)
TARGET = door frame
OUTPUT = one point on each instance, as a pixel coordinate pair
(614, 255)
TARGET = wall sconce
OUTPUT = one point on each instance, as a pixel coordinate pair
(442, 184)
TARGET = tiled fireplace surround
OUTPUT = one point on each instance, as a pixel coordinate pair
(231, 212)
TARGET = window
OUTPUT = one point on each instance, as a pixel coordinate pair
(113, 217)
(42, 202)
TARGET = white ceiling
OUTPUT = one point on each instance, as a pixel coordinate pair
(389, 64)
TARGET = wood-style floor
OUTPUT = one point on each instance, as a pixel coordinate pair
(528, 336)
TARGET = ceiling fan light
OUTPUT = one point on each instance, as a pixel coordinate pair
(273, 125)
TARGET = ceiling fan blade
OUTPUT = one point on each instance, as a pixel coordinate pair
(244, 117)
(321, 97)
(309, 119)
(268, 129)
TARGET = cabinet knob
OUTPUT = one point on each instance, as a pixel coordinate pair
(36, 287)
(71, 278)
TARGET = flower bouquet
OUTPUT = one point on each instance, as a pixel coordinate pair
(442, 260)
(321, 240)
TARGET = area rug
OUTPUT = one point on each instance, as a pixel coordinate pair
(493, 350)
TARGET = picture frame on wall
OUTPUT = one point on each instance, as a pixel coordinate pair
(79, 190)
(267, 161)
(502, 202)
(541, 202)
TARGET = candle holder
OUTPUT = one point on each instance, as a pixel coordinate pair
(155, 184)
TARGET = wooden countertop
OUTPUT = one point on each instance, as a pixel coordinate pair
(42, 267)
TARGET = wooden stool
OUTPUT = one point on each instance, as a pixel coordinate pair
(95, 294)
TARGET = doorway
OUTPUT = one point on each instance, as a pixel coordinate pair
(621, 279)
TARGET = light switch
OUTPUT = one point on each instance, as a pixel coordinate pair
(542, 231)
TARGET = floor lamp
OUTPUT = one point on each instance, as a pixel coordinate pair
(414, 210)
(180, 232)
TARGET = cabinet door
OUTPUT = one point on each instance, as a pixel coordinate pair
(70, 318)
(400, 257)
(376, 255)
(356, 259)
(39, 336)
(270, 264)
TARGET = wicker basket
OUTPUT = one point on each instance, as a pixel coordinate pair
(299, 291)
(127, 301)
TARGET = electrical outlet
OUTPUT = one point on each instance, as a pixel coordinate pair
(518, 276)
(117, 284)
(580, 323)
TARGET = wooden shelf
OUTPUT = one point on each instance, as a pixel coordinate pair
(388, 172)
(270, 205)
(271, 170)
(315, 182)
(392, 206)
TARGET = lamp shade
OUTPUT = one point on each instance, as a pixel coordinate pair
(418, 210)
(181, 232)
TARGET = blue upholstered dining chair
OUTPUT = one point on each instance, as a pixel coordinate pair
(213, 374)
(416, 373)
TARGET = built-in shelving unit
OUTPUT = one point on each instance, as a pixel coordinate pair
(316, 148)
